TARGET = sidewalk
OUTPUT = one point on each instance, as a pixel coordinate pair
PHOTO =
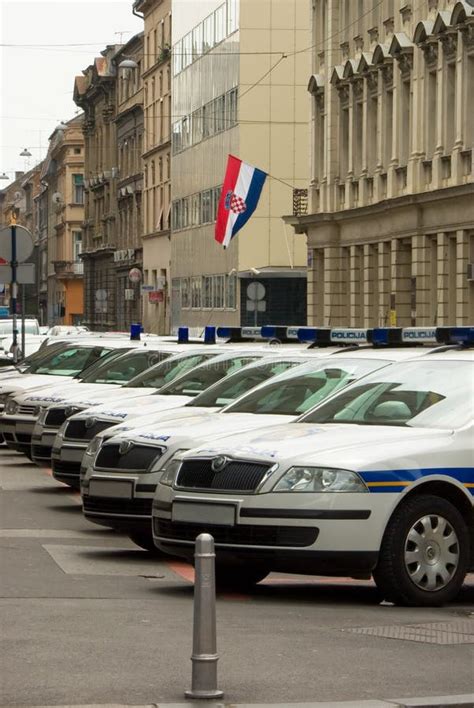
(460, 701)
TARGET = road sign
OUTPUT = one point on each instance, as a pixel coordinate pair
(256, 291)
(134, 275)
(256, 306)
(25, 274)
(147, 288)
(24, 243)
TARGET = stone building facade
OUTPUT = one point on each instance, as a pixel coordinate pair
(62, 179)
(390, 231)
(156, 161)
(110, 96)
(129, 225)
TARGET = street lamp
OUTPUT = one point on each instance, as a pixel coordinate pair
(4, 176)
(25, 153)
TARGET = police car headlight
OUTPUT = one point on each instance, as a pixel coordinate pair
(94, 445)
(320, 479)
(43, 412)
(11, 406)
(170, 472)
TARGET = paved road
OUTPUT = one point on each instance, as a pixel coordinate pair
(87, 618)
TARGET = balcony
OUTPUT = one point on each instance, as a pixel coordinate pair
(68, 270)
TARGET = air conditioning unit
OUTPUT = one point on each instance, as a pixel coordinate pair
(470, 271)
(129, 294)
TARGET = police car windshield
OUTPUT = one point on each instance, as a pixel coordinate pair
(425, 394)
(296, 392)
(201, 378)
(70, 361)
(232, 387)
(122, 367)
(168, 370)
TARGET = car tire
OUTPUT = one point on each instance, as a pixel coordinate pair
(238, 577)
(145, 540)
(424, 554)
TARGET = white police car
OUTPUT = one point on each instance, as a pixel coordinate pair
(118, 490)
(379, 479)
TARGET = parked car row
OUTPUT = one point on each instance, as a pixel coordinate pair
(346, 452)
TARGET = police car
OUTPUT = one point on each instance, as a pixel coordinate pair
(377, 480)
(118, 489)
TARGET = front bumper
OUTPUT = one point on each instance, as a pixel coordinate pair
(66, 463)
(123, 503)
(42, 442)
(17, 432)
(311, 534)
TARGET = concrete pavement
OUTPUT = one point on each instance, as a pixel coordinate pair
(89, 619)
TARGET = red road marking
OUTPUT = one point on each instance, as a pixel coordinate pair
(184, 570)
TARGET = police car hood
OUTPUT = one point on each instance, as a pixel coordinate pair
(70, 391)
(141, 405)
(138, 420)
(337, 445)
(197, 429)
(29, 382)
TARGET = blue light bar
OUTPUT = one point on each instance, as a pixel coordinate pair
(399, 336)
(419, 335)
(183, 335)
(455, 335)
(350, 335)
(209, 335)
(320, 336)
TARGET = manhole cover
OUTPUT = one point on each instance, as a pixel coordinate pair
(458, 632)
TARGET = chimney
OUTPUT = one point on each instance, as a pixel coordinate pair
(18, 175)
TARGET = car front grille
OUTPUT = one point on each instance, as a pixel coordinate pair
(236, 476)
(41, 452)
(68, 469)
(138, 457)
(28, 410)
(55, 417)
(24, 438)
(78, 430)
(105, 505)
(292, 536)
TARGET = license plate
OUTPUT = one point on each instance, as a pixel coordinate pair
(111, 488)
(71, 455)
(219, 514)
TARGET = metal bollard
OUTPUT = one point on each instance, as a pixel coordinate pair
(204, 657)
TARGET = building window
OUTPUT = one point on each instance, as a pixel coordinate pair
(219, 291)
(207, 300)
(232, 16)
(206, 207)
(78, 189)
(196, 291)
(220, 24)
(231, 294)
(185, 293)
(76, 245)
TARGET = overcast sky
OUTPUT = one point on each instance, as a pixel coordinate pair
(36, 82)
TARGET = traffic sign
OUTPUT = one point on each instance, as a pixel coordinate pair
(25, 274)
(256, 291)
(24, 244)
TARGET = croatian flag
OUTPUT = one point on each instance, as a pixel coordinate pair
(239, 198)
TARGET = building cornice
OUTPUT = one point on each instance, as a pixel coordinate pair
(302, 223)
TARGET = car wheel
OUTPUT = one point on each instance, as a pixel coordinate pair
(238, 577)
(145, 541)
(424, 554)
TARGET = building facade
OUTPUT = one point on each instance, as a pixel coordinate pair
(128, 255)
(391, 225)
(238, 88)
(156, 162)
(109, 92)
(61, 210)
(18, 199)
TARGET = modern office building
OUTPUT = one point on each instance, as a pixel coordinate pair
(239, 76)
(390, 227)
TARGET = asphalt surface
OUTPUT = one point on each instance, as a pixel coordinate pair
(88, 618)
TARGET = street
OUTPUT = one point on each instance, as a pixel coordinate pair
(88, 618)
